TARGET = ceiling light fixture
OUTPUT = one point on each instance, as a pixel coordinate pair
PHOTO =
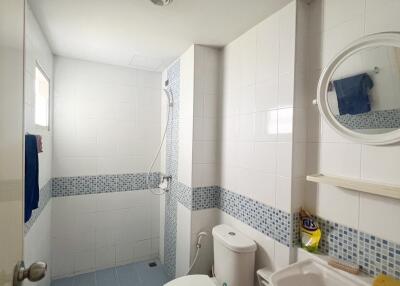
(161, 2)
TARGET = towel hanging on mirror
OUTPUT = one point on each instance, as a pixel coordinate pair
(352, 94)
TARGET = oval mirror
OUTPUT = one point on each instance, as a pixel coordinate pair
(359, 91)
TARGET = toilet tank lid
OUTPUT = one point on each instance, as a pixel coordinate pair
(233, 239)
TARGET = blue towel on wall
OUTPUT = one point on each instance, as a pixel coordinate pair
(31, 176)
(352, 94)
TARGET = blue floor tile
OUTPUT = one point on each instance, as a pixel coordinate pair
(136, 274)
(151, 276)
(127, 276)
(85, 280)
(63, 282)
(106, 277)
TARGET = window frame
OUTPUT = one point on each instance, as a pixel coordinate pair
(41, 69)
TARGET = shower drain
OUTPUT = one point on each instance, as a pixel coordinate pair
(152, 264)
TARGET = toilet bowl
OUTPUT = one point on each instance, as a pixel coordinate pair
(234, 257)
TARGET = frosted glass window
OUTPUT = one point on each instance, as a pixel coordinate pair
(42, 98)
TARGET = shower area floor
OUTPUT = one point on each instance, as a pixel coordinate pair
(135, 274)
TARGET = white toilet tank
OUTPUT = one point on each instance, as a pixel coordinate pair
(234, 256)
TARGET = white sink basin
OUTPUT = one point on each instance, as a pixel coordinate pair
(312, 272)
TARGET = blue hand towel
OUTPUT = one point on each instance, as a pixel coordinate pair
(352, 94)
(31, 176)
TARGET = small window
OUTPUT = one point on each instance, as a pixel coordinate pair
(42, 98)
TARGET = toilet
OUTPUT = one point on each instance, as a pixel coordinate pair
(234, 257)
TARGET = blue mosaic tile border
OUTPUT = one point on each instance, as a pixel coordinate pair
(373, 254)
(272, 222)
(295, 228)
(177, 191)
(44, 198)
(84, 185)
(206, 198)
(371, 120)
(338, 241)
(268, 220)
(377, 255)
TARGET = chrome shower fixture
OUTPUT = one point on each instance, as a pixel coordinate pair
(161, 2)
(170, 97)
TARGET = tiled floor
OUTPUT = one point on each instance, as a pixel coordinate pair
(136, 274)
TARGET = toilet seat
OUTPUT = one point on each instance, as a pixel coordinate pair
(192, 280)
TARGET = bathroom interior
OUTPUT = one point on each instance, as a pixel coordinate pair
(178, 141)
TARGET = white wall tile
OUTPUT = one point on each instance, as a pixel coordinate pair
(268, 50)
(287, 38)
(266, 95)
(378, 216)
(105, 117)
(62, 267)
(248, 45)
(341, 11)
(124, 253)
(342, 23)
(381, 16)
(284, 159)
(247, 99)
(105, 257)
(107, 227)
(284, 194)
(266, 125)
(380, 163)
(142, 250)
(285, 90)
(341, 36)
(262, 187)
(347, 209)
(285, 124)
(186, 114)
(211, 104)
(340, 159)
(84, 261)
(183, 241)
(203, 220)
(256, 146)
(282, 256)
(265, 157)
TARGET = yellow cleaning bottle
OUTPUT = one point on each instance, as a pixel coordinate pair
(310, 233)
(384, 280)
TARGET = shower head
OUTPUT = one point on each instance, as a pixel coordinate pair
(161, 2)
(168, 93)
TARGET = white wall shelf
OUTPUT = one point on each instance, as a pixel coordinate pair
(357, 185)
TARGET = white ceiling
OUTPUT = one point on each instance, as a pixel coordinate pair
(138, 34)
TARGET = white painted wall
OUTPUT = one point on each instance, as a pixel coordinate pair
(37, 51)
(257, 118)
(106, 119)
(92, 232)
(333, 25)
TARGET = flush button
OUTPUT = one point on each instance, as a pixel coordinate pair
(231, 233)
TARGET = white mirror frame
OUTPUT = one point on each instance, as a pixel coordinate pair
(374, 40)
